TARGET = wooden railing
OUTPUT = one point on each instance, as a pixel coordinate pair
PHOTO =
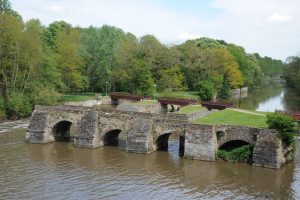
(294, 114)
(216, 105)
(127, 96)
(176, 101)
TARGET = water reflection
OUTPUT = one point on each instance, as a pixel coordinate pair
(268, 99)
(60, 171)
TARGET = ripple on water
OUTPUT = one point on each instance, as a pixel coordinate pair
(60, 171)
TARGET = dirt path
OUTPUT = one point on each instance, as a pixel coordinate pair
(246, 111)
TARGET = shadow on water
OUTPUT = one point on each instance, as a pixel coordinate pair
(160, 171)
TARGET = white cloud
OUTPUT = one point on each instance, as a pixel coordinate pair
(279, 18)
(187, 36)
(56, 8)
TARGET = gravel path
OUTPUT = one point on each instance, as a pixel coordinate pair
(246, 111)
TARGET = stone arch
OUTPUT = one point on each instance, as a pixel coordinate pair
(162, 140)
(61, 130)
(111, 138)
(229, 133)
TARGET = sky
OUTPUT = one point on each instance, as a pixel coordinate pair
(268, 27)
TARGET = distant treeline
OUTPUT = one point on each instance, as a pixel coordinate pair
(38, 63)
(292, 73)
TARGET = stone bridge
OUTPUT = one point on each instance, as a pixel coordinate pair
(147, 132)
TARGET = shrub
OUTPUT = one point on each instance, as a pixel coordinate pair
(18, 105)
(224, 92)
(44, 95)
(205, 90)
(241, 154)
(2, 108)
(284, 125)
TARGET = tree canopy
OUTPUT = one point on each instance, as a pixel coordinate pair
(36, 60)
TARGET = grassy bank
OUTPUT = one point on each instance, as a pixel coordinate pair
(190, 109)
(232, 117)
(78, 97)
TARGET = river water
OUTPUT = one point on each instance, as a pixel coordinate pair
(268, 98)
(60, 171)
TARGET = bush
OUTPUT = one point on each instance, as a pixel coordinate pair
(224, 92)
(2, 108)
(241, 154)
(205, 90)
(284, 125)
(44, 95)
(18, 105)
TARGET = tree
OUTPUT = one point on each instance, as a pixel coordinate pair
(69, 60)
(99, 49)
(292, 73)
(205, 90)
(171, 79)
(10, 37)
(5, 5)
(224, 92)
(53, 30)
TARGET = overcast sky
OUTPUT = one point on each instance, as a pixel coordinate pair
(269, 27)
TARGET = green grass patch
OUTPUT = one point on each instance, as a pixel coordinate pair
(232, 117)
(241, 154)
(190, 109)
(180, 95)
(144, 102)
(78, 97)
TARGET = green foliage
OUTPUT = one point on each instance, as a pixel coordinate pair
(224, 92)
(292, 73)
(270, 66)
(5, 5)
(171, 79)
(2, 108)
(284, 125)
(241, 154)
(205, 90)
(45, 95)
(38, 61)
(18, 105)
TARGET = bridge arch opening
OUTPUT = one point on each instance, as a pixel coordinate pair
(236, 151)
(233, 144)
(162, 143)
(111, 138)
(62, 131)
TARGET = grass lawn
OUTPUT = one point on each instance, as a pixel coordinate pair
(190, 109)
(181, 95)
(232, 117)
(78, 97)
(144, 102)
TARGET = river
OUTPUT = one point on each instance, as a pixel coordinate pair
(60, 171)
(268, 98)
